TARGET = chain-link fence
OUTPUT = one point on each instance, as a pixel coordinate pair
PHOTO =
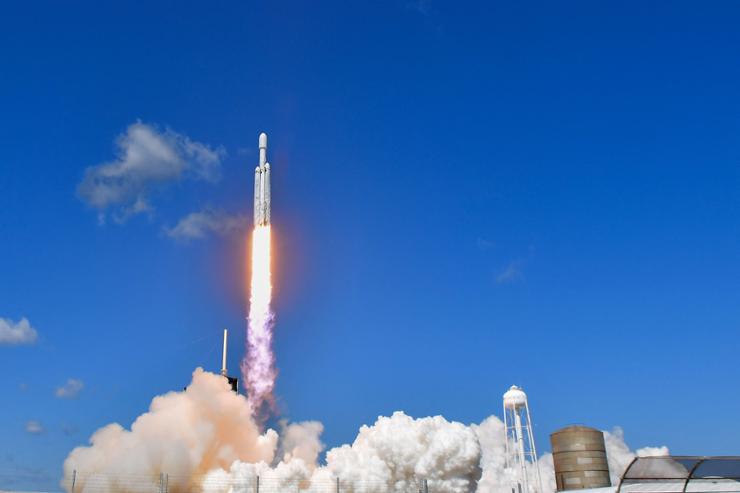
(294, 482)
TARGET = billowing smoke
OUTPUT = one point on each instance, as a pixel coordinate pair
(491, 436)
(206, 440)
(185, 434)
(619, 454)
(397, 451)
(301, 441)
(258, 366)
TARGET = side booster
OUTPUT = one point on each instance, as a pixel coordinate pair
(262, 186)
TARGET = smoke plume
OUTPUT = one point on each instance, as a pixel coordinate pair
(258, 366)
(185, 434)
(206, 440)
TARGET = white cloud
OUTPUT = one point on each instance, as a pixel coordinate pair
(34, 427)
(512, 273)
(484, 243)
(423, 7)
(70, 390)
(69, 429)
(12, 333)
(198, 225)
(147, 157)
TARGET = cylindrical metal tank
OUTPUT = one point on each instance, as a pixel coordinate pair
(579, 456)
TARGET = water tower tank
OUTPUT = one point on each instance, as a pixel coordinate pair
(579, 455)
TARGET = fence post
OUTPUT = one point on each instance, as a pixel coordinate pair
(426, 486)
(161, 482)
(337, 484)
(166, 483)
(258, 484)
(74, 479)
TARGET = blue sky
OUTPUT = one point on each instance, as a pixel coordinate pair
(464, 197)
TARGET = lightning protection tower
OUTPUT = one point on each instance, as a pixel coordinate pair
(521, 454)
(233, 381)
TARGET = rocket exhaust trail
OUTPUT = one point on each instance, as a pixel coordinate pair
(258, 366)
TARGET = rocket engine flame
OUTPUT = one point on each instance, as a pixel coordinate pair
(258, 366)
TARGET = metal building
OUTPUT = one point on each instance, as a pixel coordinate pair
(681, 474)
(579, 457)
(677, 474)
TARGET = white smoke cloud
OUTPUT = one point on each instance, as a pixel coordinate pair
(394, 454)
(198, 225)
(547, 473)
(398, 451)
(70, 390)
(147, 157)
(619, 454)
(12, 333)
(301, 441)
(490, 434)
(206, 440)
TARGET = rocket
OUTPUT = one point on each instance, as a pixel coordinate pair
(262, 186)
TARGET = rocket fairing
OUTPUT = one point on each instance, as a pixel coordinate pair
(262, 186)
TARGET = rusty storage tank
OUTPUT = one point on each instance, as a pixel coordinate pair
(579, 456)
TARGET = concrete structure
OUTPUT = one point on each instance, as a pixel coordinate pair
(521, 454)
(579, 456)
(262, 186)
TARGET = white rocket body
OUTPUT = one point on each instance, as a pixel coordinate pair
(262, 186)
(257, 195)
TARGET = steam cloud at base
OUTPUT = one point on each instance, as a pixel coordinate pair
(206, 440)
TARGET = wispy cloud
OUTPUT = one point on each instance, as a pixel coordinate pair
(484, 243)
(147, 158)
(13, 334)
(69, 429)
(424, 7)
(198, 225)
(512, 273)
(70, 390)
(34, 427)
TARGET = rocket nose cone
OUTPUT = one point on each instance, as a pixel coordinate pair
(263, 140)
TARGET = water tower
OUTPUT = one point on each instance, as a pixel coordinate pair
(521, 454)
